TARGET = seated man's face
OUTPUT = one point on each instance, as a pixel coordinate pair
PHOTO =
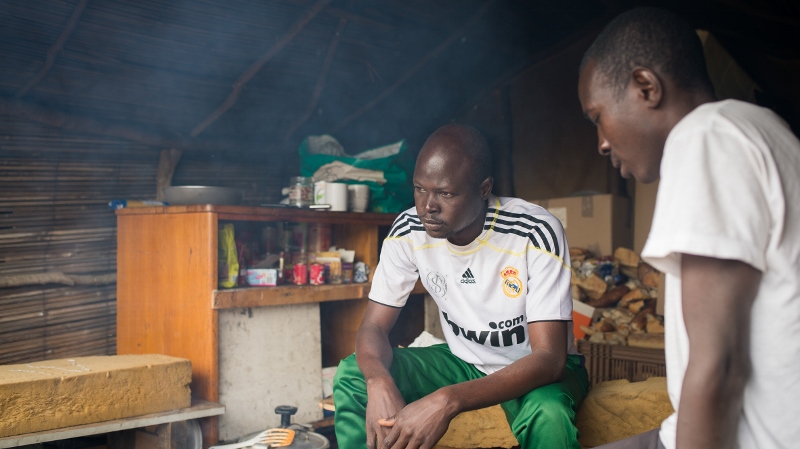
(446, 197)
(623, 130)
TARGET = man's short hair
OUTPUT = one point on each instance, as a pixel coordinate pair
(652, 38)
(474, 146)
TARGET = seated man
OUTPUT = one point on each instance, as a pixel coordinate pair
(498, 268)
(726, 231)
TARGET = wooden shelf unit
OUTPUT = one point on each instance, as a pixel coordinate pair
(168, 301)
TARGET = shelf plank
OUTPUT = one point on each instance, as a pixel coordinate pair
(292, 294)
(286, 294)
(248, 213)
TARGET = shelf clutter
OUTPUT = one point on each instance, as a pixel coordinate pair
(284, 253)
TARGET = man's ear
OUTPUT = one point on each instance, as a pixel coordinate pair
(486, 187)
(648, 86)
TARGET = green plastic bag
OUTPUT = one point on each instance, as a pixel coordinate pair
(396, 195)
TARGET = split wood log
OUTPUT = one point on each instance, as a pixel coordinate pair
(648, 275)
(610, 297)
(634, 295)
(626, 257)
(592, 285)
(18, 280)
(639, 322)
(654, 325)
(239, 84)
(578, 254)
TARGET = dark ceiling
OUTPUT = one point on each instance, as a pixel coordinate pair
(257, 74)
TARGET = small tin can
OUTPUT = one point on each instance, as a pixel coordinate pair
(300, 272)
(360, 272)
(316, 275)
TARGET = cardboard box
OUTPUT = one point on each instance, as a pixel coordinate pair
(599, 223)
(582, 315)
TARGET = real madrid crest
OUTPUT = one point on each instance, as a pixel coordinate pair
(512, 286)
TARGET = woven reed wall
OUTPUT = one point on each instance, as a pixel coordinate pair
(54, 191)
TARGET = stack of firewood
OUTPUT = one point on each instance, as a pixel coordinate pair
(625, 288)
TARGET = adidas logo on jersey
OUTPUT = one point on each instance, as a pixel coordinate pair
(467, 277)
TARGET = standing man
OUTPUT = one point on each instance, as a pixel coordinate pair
(498, 268)
(726, 231)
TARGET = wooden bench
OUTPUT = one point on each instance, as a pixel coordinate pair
(146, 431)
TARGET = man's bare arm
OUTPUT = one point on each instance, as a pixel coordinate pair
(373, 351)
(717, 299)
(374, 357)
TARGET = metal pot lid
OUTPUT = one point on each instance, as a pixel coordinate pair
(303, 439)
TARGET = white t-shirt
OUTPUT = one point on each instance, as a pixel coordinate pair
(730, 189)
(515, 272)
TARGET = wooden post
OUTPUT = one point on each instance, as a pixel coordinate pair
(167, 162)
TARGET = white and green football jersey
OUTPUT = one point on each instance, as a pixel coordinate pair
(516, 272)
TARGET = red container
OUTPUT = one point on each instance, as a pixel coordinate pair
(300, 274)
(317, 274)
(319, 237)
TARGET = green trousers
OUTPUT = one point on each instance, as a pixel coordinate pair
(543, 418)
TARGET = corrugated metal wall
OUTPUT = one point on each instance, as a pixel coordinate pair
(54, 219)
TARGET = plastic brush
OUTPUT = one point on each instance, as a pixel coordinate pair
(279, 437)
(270, 437)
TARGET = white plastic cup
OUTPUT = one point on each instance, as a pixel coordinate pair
(332, 193)
(358, 197)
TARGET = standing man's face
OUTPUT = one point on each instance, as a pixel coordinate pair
(623, 130)
(448, 201)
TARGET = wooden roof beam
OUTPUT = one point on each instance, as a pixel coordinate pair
(256, 66)
(323, 75)
(416, 67)
(55, 49)
(72, 122)
(361, 20)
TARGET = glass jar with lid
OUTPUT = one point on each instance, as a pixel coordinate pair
(300, 191)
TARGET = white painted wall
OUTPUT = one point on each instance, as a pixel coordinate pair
(268, 356)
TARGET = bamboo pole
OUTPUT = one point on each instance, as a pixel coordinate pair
(18, 280)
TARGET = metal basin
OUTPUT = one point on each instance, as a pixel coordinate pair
(183, 195)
